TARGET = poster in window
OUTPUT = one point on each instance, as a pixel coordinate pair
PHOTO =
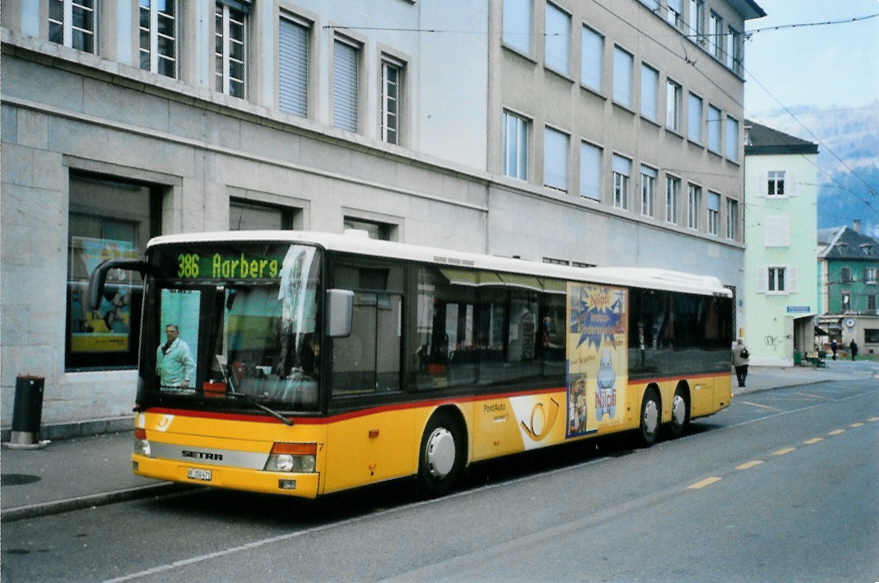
(597, 351)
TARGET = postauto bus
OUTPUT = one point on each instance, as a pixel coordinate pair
(306, 363)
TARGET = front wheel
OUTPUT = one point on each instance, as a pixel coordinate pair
(650, 411)
(442, 455)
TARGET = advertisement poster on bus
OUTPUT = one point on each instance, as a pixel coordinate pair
(597, 352)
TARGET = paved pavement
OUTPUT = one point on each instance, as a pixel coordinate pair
(90, 471)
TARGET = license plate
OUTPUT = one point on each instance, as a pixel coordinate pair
(198, 474)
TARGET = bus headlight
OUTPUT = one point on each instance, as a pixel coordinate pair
(292, 457)
(141, 444)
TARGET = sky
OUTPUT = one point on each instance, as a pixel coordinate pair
(835, 66)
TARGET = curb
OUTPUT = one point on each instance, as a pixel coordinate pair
(68, 504)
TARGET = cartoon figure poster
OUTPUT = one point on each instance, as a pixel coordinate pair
(597, 357)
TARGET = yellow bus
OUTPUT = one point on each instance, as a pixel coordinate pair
(305, 363)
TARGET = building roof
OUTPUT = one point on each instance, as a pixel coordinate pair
(846, 243)
(748, 9)
(763, 140)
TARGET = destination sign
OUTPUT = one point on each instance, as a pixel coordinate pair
(220, 266)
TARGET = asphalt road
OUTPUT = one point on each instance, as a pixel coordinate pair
(782, 486)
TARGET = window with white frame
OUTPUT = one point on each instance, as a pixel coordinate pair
(346, 84)
(732, 219)
(715, 119)
(672, 105)
(871, 302)
(694, 118)
(622, 77)
(158, 36)
(555, 159)
(697, 20)
(846, 301)
(776, 279)
(622, 170)
(293, 65)
(391, 97)
(558, 38)
(870, 275)
(694, 205)
(775, 183)
(732, 139)
(73, 23)
(230, 49)
(648, 191)
(515, 146)
(674, 12)
(649, 91)
(845, 274)
(715, 35)
(591, 60)
(733, 54)
(590, 171)
(672, 198)
(517, 25)
(713, 206)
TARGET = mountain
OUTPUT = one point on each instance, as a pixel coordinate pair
(849, 189)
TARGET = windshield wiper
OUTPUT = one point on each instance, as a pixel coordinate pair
(257, 404)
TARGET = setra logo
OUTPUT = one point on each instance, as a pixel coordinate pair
(202, 455)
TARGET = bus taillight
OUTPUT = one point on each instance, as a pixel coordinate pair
(292, 457)
(141, 444)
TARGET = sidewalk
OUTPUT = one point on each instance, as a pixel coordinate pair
(90, 471)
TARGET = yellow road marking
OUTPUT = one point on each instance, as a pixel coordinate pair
(703, 483)
(836, 432)
(749, 465)
(873, 419)
(784, 451)
(814, 440)
(856, 425)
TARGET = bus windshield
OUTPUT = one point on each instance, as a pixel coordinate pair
(227, 325)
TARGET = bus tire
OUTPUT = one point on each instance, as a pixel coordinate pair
(648, 430)
(442, 455)
(680, 412)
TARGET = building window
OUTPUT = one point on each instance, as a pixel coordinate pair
(672, 196)
(694, 205)
(590, 171)
(253, 216)
(230, 50)
(346, 84)
(871, 303)
(732, 139)
(622, 77)
(109, 218)
(775, 186)
(515, 146)
(293, 65)
(713, 206)
(697, 20)
(870, 275)
(714, 120)
(517, 25)
(775, 280)
(592, 58)
(622, 170)
(672, 105)
(733, 52)
(732, 219)
(375, 229)
(555, 159)
(558, 37)
(694, 118)
(715, 35)
(72, 23)
(846, 301)
(391, 84)
(158, 36)
(648, 191)
(649, 91)
(845, 275)
(674, 12)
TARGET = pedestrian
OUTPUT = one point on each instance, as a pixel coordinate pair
(740, 357)
(174, 362)
(833, 347)
(853, 348)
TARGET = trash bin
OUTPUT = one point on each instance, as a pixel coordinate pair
(27, 411)
(798, 358)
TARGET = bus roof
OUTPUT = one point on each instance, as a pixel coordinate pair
(357, 242)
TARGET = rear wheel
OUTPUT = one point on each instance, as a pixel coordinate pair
(650, 412)
(442, 455)
(680, 412)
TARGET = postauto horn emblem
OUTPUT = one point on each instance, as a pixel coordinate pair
(542, 419)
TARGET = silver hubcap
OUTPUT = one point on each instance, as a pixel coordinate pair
(679, 410)
(651, 417)
(440, 452)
